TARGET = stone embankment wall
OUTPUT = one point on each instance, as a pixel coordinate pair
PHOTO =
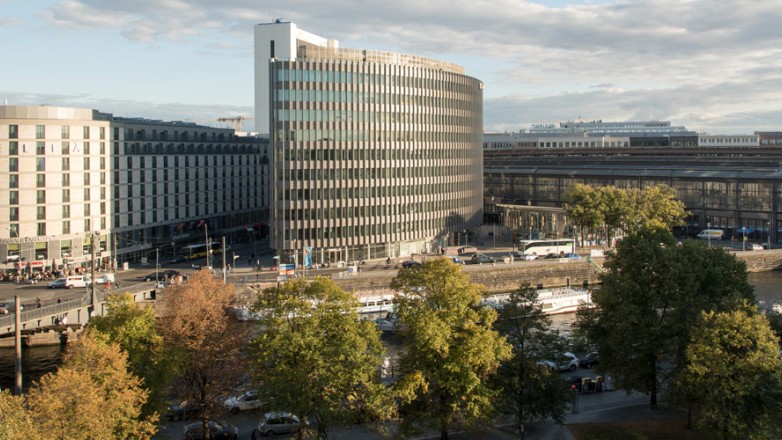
(500, 278)
(497, 278)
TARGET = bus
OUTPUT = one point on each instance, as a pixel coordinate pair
(559, 246)
(193, 251)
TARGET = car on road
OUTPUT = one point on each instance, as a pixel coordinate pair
(754, 247)
(566, 362)
(274, 423)
(410, 263)
(247, 401)
(481, 259)
(217, 431)
(159, 276)
(70, 282)
(8, 307)
(183, 410)
(518, 255)
(456, 260)
(589, 360)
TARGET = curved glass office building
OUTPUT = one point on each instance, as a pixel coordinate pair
(376, 154)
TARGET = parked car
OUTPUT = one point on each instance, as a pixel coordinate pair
(217, 431)
(481, 259)
(589, 360)
(183, 410)
(410, 263)
(247, 401)
(566, 362)
(160, 276)
(274, 423)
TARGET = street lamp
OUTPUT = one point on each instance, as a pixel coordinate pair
(708, 226)
(768, 234)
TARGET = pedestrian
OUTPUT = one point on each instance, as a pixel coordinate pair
(38, 303)
(249, 262)
(59, 300)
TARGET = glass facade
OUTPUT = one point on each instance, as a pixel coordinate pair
(372, 159)
(728, 200)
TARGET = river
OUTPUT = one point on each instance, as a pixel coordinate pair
(38, 361)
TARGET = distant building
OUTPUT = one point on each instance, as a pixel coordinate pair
(374, 154)
(70, 176)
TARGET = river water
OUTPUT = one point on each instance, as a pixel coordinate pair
(38, 361)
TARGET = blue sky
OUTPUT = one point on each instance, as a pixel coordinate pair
(712, 66)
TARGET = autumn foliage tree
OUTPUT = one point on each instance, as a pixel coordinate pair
(206, 340)
(135, 330)
(93, 395)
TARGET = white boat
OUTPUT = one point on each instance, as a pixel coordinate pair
(376, 303)
(552, 301)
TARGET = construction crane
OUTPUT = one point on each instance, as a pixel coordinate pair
(236, 121)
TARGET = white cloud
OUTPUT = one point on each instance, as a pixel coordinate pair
(622, 59)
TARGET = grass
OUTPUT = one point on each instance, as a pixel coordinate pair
(667, 429)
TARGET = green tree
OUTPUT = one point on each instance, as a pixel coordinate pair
(92, 396)
(615, 208)
(654, 207)
(652, 292)
(206, 341)
(531, 390)
(735, 372)
(135, 330)
(450, 349)
(315, 358)
(582, 206)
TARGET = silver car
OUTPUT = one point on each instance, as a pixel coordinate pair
(274, 423)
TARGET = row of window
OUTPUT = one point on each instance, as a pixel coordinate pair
(66, 148)
(372, 176)
(65, 132)
(415, 80)
(426, 103)
(349, 135)
(370, 212)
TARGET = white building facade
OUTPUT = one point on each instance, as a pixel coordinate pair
(72, 176)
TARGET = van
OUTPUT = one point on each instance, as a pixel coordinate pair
(711, 234)
(77, 281)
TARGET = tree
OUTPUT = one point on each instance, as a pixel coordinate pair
(531, 390)
(450, 350)
(652, 292)
(582, 206)
(735, 371)
(654, 207)
(91, 396)
(16, 422)
(134, 329)
(615, 208)
(315, 358)
(206, 339)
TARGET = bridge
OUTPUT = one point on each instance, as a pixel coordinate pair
(77, 310)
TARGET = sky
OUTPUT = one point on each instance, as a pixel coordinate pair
(710, 65)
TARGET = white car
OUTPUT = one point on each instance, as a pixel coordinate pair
(245, 402)
(567, 362)
(754, 247)
(274, 423)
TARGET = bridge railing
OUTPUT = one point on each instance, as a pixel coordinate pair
(64, 307)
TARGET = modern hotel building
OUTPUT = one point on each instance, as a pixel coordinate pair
(374, 154)
(72, 176)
